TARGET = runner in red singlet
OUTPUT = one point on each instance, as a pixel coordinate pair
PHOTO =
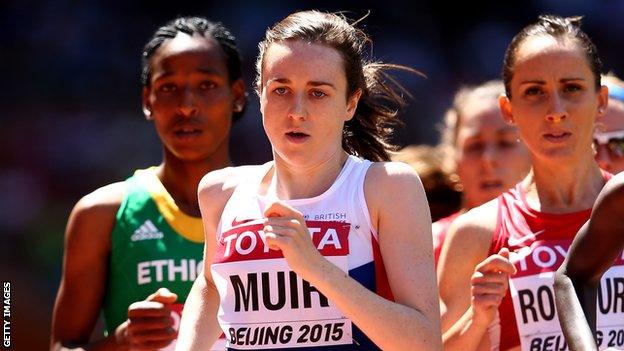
(480, 150)
(553, 95)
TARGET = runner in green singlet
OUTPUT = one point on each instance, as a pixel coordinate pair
(134, 248)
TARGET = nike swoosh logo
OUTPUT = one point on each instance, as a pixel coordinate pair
(236, 223)
(521, 241)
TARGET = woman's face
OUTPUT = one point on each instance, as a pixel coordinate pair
(554, 101)
(190, 97)
(609, 138)
(490, 158)
(304, 101)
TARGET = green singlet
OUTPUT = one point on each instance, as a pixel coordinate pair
(153, 245)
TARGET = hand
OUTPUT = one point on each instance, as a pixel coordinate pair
(285, 229)
(149, 325)
(489, 284)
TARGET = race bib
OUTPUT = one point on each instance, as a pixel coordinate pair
(266, 305)
(533, 298)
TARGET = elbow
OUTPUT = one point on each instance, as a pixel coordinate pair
(561, 280)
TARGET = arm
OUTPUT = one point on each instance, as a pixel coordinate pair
(462, 264)
(199, 327)
(577, 279)
(489, 284)
(402, 218)
(87, 247)
(87, 250)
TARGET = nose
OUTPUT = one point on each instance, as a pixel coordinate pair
(603, 158)
(557, 112)
(489, 158)
(187, 105)
(298, 109)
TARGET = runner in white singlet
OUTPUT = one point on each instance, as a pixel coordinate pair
(320, 248)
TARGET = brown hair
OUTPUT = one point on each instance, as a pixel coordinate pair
(368, 133)
(443, 194)
(559, 28)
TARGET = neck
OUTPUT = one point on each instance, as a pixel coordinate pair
(563, 187)
(299, 182)
(181, 178)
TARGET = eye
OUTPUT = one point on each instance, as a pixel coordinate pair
(280, 90)
(167, 88)
(473, 147)
(571, 88)
(318, 94)
(533, 91)
(507, 144)
(207, 85)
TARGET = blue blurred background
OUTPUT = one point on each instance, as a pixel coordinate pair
(71, 118)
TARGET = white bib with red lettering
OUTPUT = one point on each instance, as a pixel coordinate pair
(533, 299)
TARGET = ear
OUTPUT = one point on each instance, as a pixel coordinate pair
(505, 107)
(147, 106)
(603, 101)
(239, 95)
(352, 103)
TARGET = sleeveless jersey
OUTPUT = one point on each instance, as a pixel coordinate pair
(153, 245)
(264, 305)
(538, 244)
(439, 229)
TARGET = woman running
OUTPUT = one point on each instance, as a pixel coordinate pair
(320, 247)
(142, 239)
(481, 151)
(553, 94)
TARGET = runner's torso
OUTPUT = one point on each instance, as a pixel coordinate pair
(266, 306)
(153, 245)
(539, 243)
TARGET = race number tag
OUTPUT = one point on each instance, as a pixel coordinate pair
(266, 305)
(533, 298)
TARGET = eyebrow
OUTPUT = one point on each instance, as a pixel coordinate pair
(311, 83)
(541, 82)
(205, 71)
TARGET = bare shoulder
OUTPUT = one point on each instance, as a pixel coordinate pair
(102, 203)
(612, 195)
(392, 179)
(479, 221)
(392, 189)
(471, 233)
(221, 183)
(216, 188)
(92, 220)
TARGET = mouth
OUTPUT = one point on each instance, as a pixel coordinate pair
(297, 137)
(558, 137)
(491, 185)
(187, 132)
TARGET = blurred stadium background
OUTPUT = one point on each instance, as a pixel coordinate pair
(70, 108)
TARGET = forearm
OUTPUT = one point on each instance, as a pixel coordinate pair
(390, 325)
(574, 324)
(452, 312)
(466, 334)
(199, 328)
